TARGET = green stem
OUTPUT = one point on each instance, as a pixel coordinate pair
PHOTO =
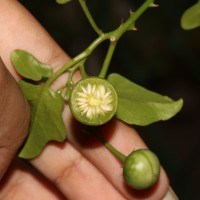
(113, 150)
(70, 82)
(130, 22)
(116, 34)
(78, 58)
(82, 70)
(89, 17)
(119, 32)
(108, 58)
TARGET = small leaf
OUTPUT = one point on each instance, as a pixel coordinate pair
(191, 17)
(28, 66)
(62, 1)
(139, 106)
(46, 118)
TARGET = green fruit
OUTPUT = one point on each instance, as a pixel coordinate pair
(93, 101)
(141, 169)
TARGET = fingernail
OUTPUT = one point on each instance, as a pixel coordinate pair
(170, 195)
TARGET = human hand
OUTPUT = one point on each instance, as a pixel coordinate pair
(14, 119)
(79, 168)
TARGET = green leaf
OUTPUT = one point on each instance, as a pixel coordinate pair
(62, 1)
(46, 118)
(28, 66)
(139, 106)
(191, 17)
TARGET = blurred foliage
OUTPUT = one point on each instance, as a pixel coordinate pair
(160, 56)
(191, 17)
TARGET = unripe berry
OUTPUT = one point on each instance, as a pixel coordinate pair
(141, 169)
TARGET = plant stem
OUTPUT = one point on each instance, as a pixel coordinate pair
(70, 82)
(113, 150)
(82, 70)
(78, 58)
(89, 17)
(130, 22)
(116, 34)
(108, 58)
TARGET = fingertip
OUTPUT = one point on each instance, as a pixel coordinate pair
(156, 192)
(126, 139)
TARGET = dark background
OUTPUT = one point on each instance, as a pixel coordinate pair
(159, 56)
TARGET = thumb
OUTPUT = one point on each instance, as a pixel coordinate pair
(14, 118)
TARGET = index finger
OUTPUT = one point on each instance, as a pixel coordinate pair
(22, 31)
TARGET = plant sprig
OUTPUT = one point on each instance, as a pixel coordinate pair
(135, 104)
(113, 36)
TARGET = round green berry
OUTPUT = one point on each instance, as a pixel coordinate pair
(141, 169)
(93, 101)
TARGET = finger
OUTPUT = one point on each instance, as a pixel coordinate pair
(76, 177)
(124, 139)
(46, 47)
(14, 118)
(22, 31)
(22, 181)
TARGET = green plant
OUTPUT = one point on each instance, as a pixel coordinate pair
(93, 100)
